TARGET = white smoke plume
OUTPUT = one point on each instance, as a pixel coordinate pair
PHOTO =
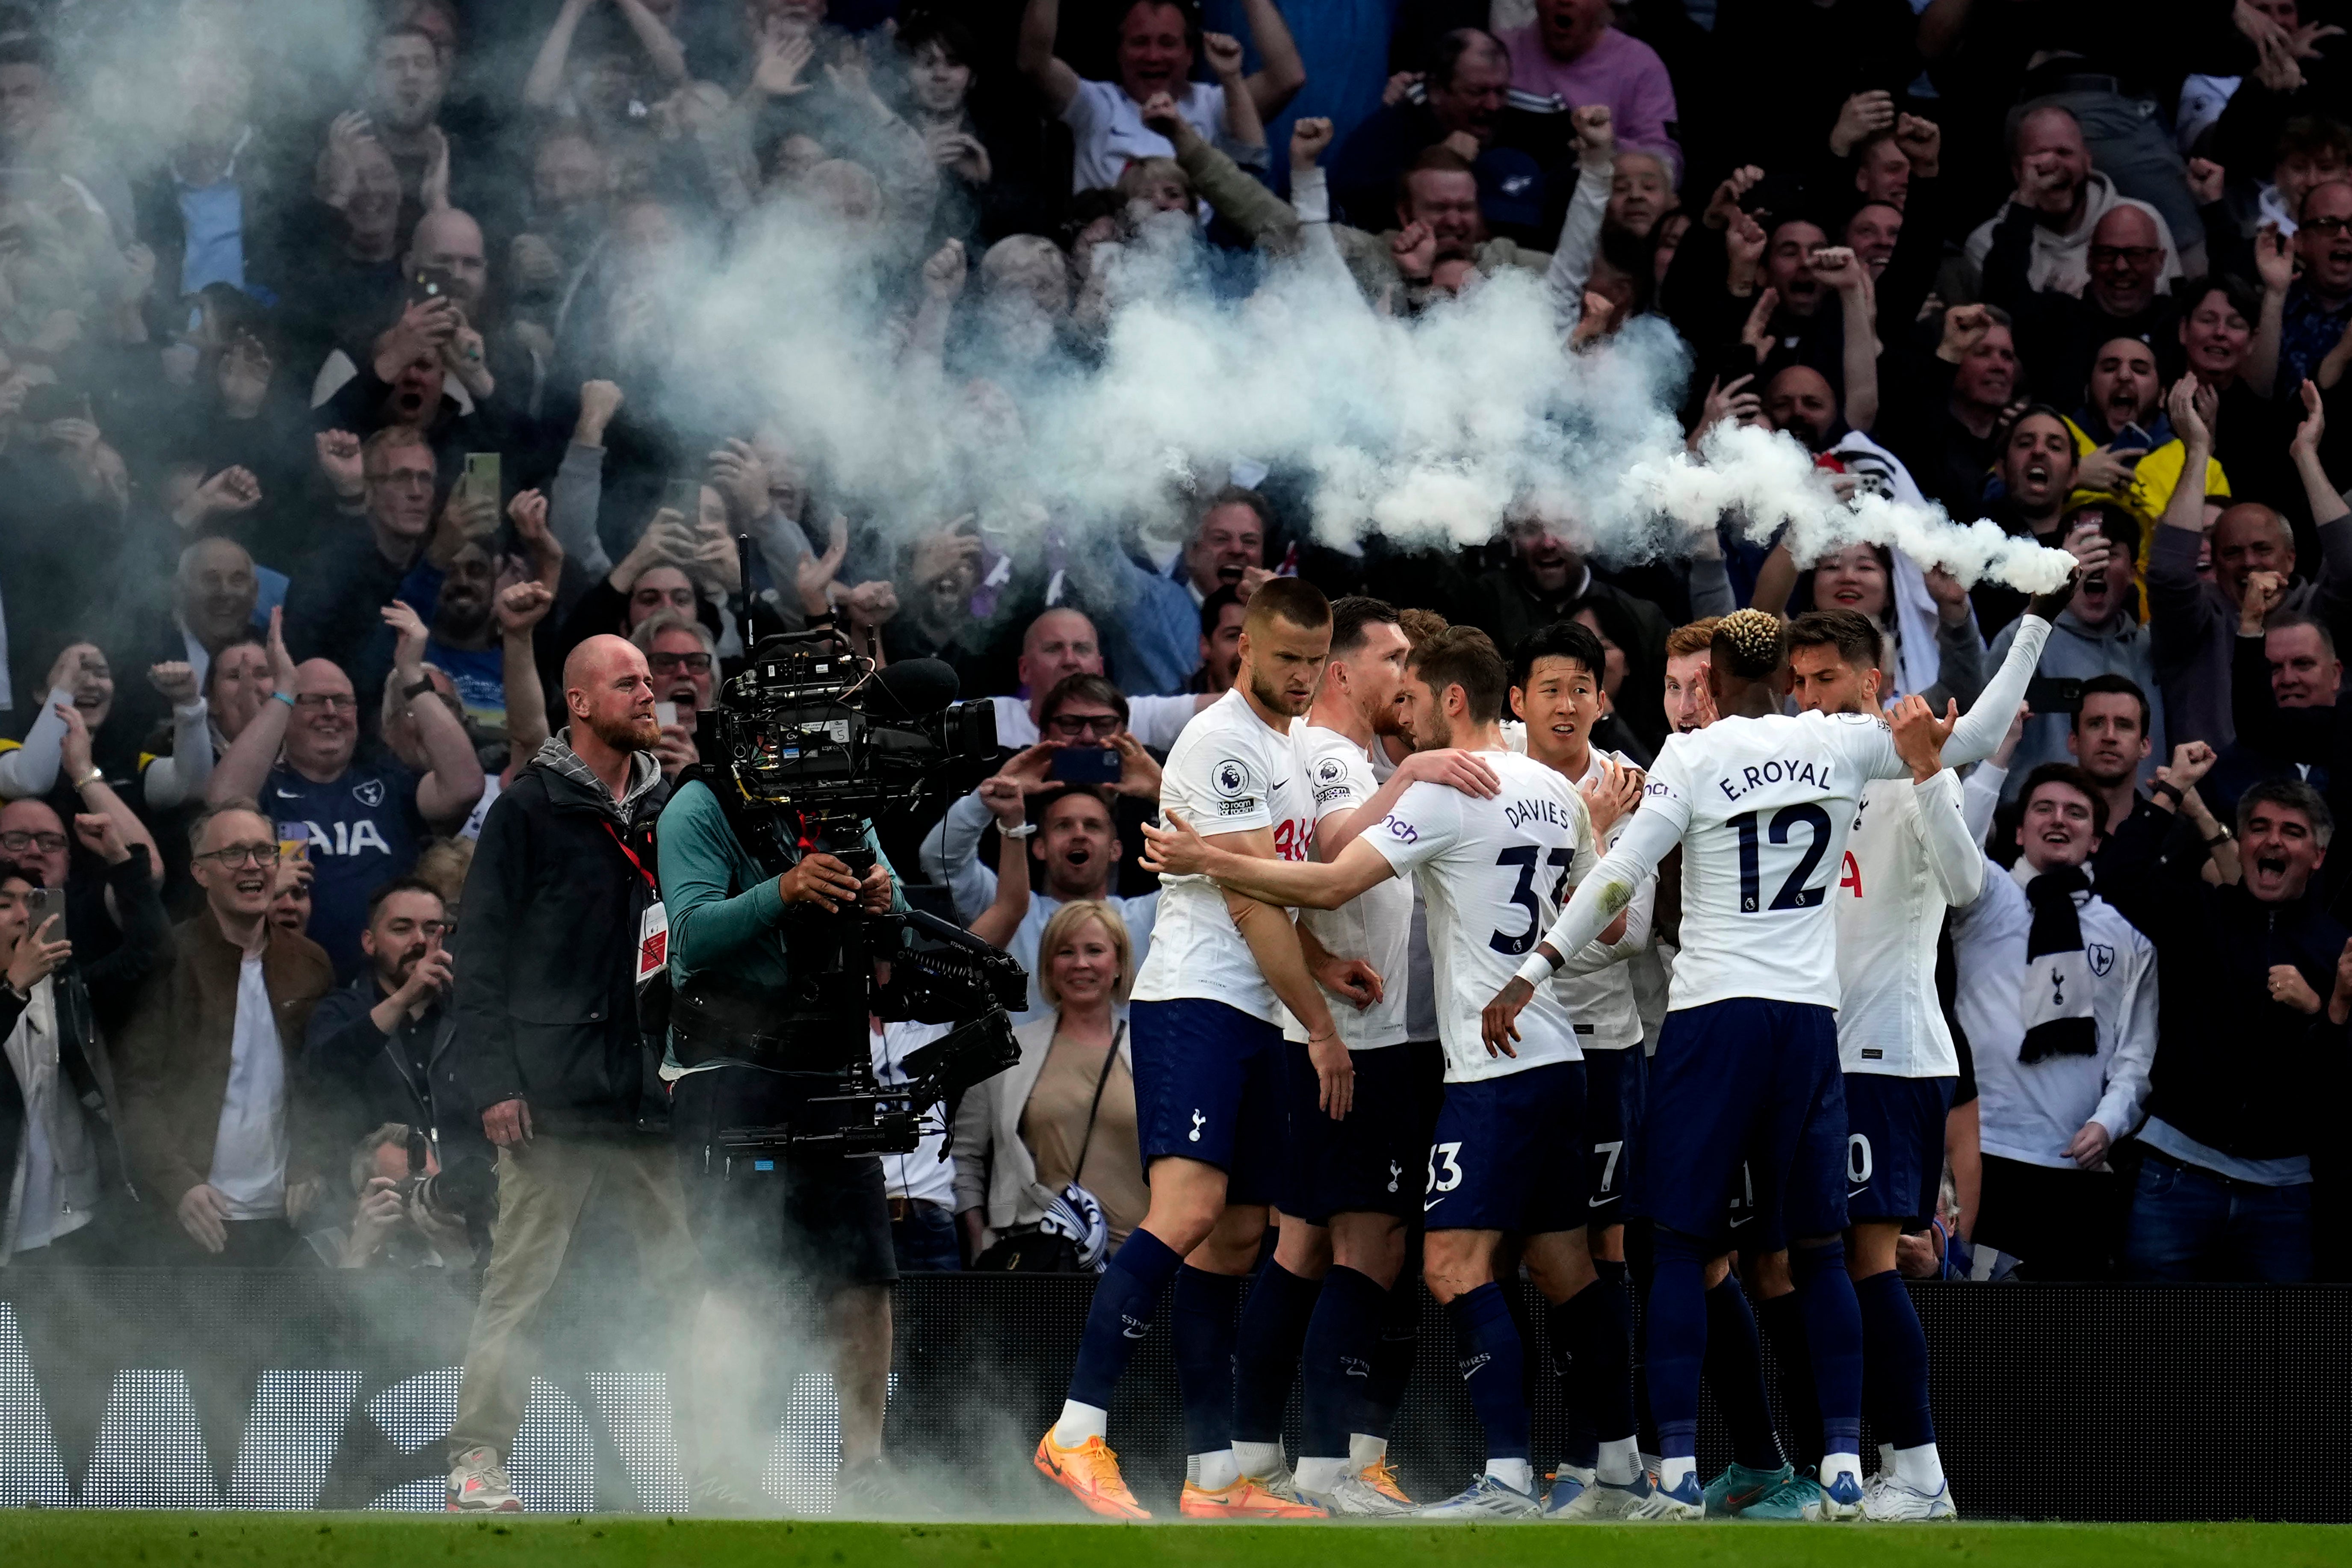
(1433, 429)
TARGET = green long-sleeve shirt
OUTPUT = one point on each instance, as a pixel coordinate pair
(724, 910)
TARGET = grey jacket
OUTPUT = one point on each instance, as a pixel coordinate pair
(2077, 651)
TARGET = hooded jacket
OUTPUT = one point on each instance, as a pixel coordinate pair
(2061, 257)
(546, 956)
(2077, 651)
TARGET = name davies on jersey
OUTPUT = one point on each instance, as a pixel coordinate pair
(1812, 770)
(1552, 810)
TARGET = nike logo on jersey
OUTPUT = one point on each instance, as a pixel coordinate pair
(1596, 1202)
(1855, 1194)
(1429, 1204)
(1746, 1219)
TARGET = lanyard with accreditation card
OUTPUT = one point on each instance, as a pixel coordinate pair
(653, 930)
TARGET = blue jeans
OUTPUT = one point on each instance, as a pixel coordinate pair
(926, 1241)
(2189, 1224)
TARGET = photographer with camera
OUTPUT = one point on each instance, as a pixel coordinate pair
(402, 1220)
(820, 1215)
(549, 1046)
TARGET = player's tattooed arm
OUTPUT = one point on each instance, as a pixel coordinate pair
(1606, 894)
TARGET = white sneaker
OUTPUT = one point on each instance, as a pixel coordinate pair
(1358, 1498)
(479, 1484)
(1607, 1500)
(1485, 1498)
(1686, 1502)
(1893, 1502)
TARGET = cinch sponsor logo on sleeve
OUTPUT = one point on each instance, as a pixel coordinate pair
(1403, 832)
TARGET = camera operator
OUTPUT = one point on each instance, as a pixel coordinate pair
(548, 1048)
(757, 934)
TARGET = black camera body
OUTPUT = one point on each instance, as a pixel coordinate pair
(812, 744)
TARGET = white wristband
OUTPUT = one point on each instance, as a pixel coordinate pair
(1024, 831)
(1536, 968)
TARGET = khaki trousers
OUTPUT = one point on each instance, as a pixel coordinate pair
(543, 1186)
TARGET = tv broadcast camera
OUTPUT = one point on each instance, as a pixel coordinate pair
(809, 745)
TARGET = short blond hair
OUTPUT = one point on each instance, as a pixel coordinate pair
(1069, 918)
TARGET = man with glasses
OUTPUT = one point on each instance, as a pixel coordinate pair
(204, 1057)
(683, 660)
(1062, 642)
(2060, 334)
(378, 1050)
(331, 606)
(367, 818)
(2318, 301)
(1076, 838)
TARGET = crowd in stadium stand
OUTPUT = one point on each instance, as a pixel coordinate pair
(336, 411)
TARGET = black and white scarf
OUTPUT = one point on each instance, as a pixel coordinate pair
(2056, 1002)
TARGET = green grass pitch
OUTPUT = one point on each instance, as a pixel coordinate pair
(78, 1539)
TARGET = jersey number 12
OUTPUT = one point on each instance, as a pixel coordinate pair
(1793, 893)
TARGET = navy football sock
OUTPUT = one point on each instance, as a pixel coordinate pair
(1393, 1352)
(1125, 1299)
(1265, 1354)
(1784, 1325)
(1201, 1332)
(1682, 1336)
(1337, 1363)
(1895, 1359)
(1834, 1336)
(1596, 1327)
(1571, 1364)
(1735, 1371)
(1494, 1368)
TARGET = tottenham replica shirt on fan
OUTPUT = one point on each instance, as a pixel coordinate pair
(1747, 1067)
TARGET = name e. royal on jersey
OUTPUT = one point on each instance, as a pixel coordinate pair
(1790, 770)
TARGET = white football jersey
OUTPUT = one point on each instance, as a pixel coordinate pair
(1763, 806)
(1494, 874)
(1377, 924)
(1230, 771)
(1597, 984)
(1909, 860)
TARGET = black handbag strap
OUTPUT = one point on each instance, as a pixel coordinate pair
(1078, 1170)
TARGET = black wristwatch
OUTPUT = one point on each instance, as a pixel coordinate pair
(423, 687)
(2167, 787)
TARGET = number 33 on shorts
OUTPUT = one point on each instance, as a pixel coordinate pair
(1445, 1168)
